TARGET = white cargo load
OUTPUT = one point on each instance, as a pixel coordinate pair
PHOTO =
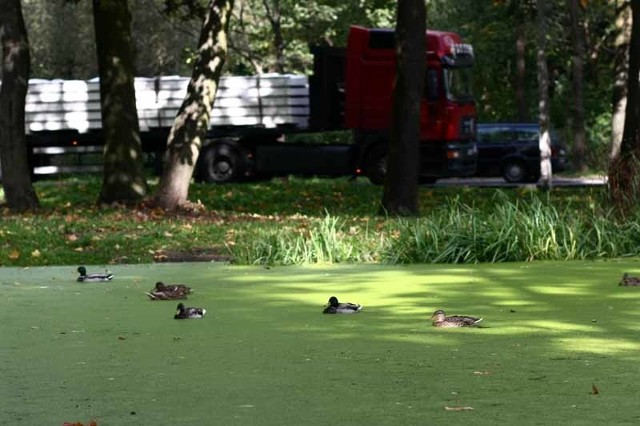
(269, 101)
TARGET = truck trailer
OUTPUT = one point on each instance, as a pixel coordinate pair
(254, 118)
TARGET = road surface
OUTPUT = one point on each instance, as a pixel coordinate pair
(499, 182)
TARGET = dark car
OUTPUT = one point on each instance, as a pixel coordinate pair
(511, 150)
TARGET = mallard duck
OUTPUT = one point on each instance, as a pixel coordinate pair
(169, 292)
(183, 288)
(629, 281)
(440, 319)
(183, 312)
(92, 278)
(335, 307)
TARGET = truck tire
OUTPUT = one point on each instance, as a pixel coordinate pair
(221, 163)
(515, 171)
(375, 164)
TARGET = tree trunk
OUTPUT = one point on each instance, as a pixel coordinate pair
(579, 133)
(16, 174)
(543, 96)
(624, 177)
(192, 122)
(621, 64)
(521, 63)
(123, 176)
(401, 184)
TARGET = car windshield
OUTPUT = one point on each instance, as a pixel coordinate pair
(458, 84)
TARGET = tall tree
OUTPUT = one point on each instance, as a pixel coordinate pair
(400, 195)
(620, 67)
(123, 177)
(577, 80)
(16, 180)
(192, 122)
(543, 95)
(624, 170)
(519, 15)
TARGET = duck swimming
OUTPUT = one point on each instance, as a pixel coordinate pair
(629, 281)
(440, 319)
(92, 278)
(183, 312)
(335, 307)
(169, 292)
(160, 286)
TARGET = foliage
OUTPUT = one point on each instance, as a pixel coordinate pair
(491, 28)
(165, 33)
(62, 39)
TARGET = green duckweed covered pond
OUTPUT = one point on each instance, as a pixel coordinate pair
(554, 332)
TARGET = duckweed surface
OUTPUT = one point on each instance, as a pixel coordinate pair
(559, 346)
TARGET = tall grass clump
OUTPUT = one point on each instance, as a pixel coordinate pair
(533, 229)
(506, 230)
(328, 240)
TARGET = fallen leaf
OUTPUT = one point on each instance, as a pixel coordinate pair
(14, 255)
(594, 390)
(72, 237)
(458, 408)
(35, 253)
(121, 338)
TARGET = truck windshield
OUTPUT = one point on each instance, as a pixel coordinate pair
(458, 83)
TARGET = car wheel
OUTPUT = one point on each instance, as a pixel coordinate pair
(514, 171)
(375, 164)
(221, 163)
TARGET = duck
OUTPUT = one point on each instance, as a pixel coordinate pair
(183, 312)
(169, 292)
(183, 288)
(629, 281)
(92, 278)
(335, 307)
(440, 319)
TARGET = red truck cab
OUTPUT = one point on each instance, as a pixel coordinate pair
(447, 110)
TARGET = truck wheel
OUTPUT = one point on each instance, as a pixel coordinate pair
(221, 163)
(375, 164)
(514, 171)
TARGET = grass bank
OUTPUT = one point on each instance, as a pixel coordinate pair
(303, 221)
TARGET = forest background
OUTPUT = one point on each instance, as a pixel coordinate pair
(275, 35)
